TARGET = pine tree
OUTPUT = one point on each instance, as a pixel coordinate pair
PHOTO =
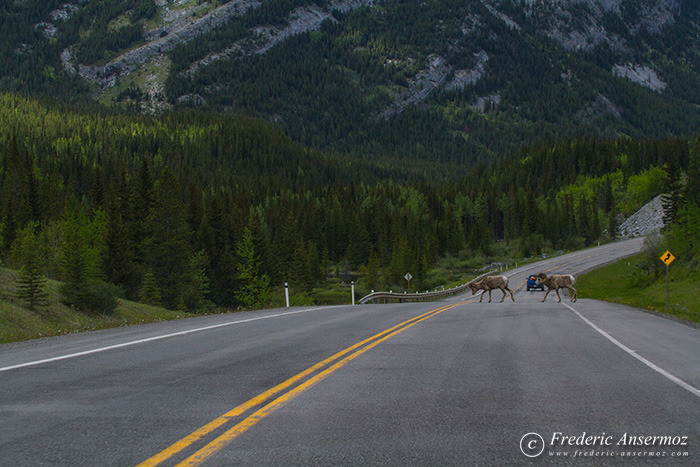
(253, 288)
(150, 293)
(302, 273)
(612, 225)
(15, 208)
(691, 192)
(372, 271)
(31, 285)
(79, 256)
(167, 248)
(671, 200)
(118, 258)
(136, 217)
(197, 288)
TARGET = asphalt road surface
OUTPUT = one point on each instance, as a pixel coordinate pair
(454, 382)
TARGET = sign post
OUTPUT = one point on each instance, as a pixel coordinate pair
(667, 259)
(408, 277)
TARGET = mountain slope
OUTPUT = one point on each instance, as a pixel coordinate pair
(426, 84)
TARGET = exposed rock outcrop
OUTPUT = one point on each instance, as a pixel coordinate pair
(66, 10)
(485, 103)
(640, 74)
(301, 20)
(434, 77)
(178, 32)
(587, 31)
(182, 28)
(649, 219)
(464, 78)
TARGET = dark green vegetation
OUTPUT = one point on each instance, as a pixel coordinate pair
(637, 282)
(98, 30)
(641, 280)
(195, 211)
(362, 177)
(328, 87)
(18, 322)
(547, 75)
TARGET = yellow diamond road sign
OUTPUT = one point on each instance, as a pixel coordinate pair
(667, 258)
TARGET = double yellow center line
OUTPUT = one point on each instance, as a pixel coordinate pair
(319, 371)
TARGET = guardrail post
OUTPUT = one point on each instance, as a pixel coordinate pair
(352, 287)
(286, 293)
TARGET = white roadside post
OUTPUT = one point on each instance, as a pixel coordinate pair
(286, 293)
(352, 286)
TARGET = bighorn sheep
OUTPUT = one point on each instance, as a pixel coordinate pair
(489, 283)
(556, 282)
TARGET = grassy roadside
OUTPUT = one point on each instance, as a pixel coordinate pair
(628, 283)
(18, 323)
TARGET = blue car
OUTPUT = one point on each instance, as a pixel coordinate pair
(532, 283)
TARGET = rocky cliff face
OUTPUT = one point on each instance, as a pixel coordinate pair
(301, 20)
(585, 24)
(179, 28)
(649, 219)
(578, 26)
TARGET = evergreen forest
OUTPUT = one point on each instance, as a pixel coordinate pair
(196, 211)
(338, 86)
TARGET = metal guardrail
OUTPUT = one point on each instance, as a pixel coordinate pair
(417, 297)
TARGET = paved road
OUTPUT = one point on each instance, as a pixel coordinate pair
(450, 382)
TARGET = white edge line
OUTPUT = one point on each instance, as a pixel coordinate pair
(155, 338)
(663, 372)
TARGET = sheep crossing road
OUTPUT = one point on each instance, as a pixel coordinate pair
(488, 283)
(451, 382)
(556, 282)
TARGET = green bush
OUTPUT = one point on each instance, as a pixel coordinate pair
(301, 299)
(97, 297)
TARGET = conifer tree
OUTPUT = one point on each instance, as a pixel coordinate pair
(167, 248)
(118, 258)
(691, 191)
(150, 293)
(80, 253)
(302, 272)
(15, 208)
(372, 271)
(197, 288)
(140, 203)
(671, 199)
(253, 288)
(31, 285)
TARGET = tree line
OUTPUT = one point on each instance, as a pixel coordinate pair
(195, 211)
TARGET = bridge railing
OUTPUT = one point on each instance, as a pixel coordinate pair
(417, 297)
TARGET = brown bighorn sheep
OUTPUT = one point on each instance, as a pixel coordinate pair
(556, 282)
(489, 283)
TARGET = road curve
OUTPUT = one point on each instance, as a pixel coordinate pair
(450, 382)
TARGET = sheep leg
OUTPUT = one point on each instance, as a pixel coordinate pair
(489, 295)
(545, 295)
(504, 294)
(511, 293)
(558, 296)
(482, 295)
(574, 294)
